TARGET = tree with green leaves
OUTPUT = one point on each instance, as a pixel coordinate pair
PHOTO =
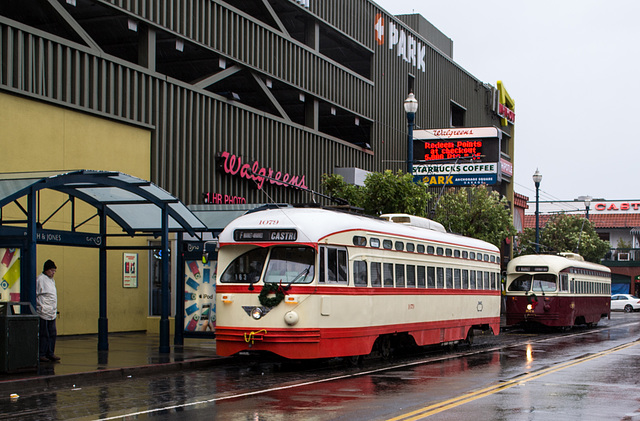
(476, 212)
(565, 233)
(385, 192)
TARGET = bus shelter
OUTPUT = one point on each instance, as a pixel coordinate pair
(137, 206)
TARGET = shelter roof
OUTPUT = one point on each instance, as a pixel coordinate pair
(134, 204)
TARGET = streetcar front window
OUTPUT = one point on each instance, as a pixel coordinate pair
(521, 283)
(544, 282)
(291, 265)
(247, 267)
(540, 282)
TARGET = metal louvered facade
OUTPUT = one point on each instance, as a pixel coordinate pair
(300, 87)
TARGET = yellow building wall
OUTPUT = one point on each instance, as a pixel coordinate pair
(42, 137)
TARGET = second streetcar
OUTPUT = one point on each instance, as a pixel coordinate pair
(556, 291)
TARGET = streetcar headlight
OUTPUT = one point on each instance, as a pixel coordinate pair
(529, 307)
(257, 313)
(291, 318)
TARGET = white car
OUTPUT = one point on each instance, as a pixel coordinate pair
(625, 302)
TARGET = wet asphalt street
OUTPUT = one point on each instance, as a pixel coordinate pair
(583, 374)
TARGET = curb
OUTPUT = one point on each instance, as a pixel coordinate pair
(111, 374)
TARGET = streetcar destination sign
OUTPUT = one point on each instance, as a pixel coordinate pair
(265, 235)
(532, 268)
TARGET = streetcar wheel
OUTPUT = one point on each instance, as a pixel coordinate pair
(628, 308)
(354, 360)
(384, 347)
(469, 340)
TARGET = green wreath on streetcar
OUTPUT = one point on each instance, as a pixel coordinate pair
(271, 288)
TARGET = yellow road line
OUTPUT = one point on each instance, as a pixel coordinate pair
(471, 396)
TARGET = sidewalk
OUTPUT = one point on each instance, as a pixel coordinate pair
(129, 354)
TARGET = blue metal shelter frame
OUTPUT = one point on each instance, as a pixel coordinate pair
(138, 206)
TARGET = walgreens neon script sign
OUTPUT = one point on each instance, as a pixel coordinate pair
(232, 165)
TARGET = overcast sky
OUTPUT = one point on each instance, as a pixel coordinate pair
(572, 68)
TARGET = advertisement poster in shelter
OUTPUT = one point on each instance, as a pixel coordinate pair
(9, 274)
(199, 296)
(130, 276)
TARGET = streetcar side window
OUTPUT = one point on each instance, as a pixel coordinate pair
(411, 247)
(472, 255)
(456, 253)
(376, 274)
(448, 252)
(457, 279)
(440, 277)
(247, 267)
(564, 282)
(411, 276)
(359, 241)
(387, 274)
(374, 242)
(465, 279)
(360, 273)
(479, 280)
(400, 276)
(399, 245)
(420, 248)
(333, 265)
(421, 277)
(472, 279)
(440, 251)
(431, 277)
(387, 244)
(342, 266)
(431, 250)
(493, 280)
(486, 281)
(449, 273)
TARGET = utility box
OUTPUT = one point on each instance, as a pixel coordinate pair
(19, 329)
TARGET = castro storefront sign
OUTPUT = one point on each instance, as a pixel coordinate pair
(232, 165)
(617, 206)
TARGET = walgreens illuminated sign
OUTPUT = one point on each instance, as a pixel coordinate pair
(232, 164)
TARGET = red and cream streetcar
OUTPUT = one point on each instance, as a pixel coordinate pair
(556, 291)
(307, 283)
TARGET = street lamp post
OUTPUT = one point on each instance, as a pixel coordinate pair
(537, 178)
(587, 203)
(410, 107)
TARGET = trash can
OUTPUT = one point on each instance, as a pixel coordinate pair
(19, 329)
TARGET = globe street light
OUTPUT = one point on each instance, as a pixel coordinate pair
(537, 178)
(410, 107)
(587, 203)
